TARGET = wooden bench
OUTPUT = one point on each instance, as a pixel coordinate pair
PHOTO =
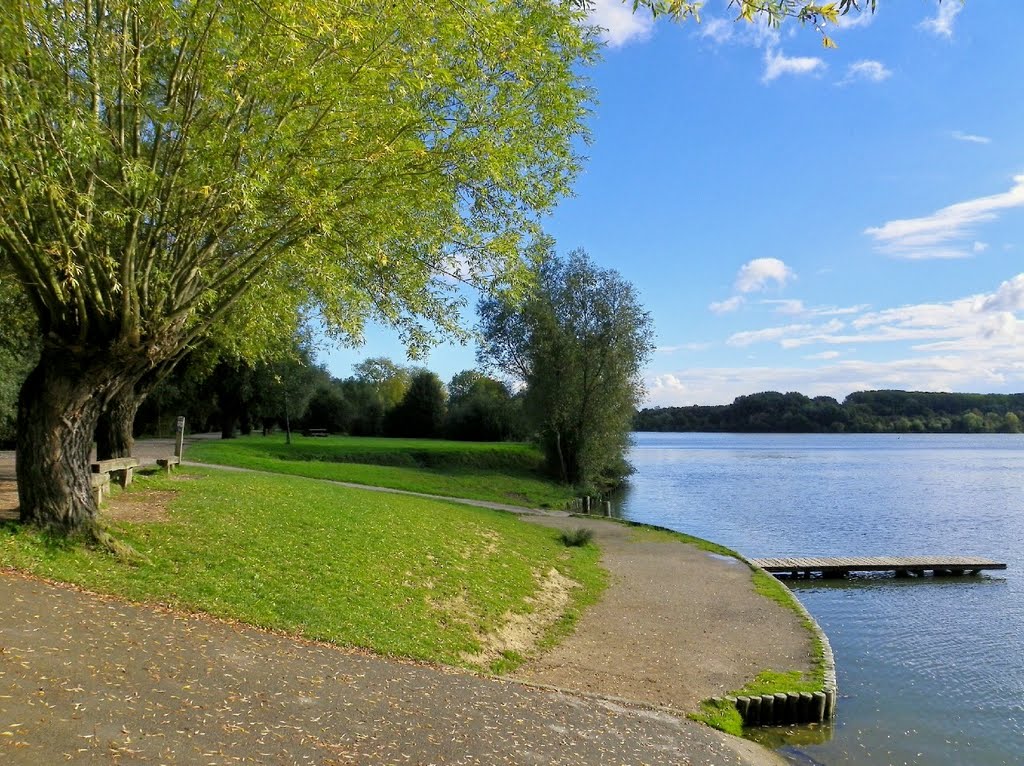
(121, 468)
(168, 462)
(315, 432)
(100, 483)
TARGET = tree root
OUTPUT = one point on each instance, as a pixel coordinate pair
(119, 549)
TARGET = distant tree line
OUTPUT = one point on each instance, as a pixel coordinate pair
(381, 398)
(860, 412)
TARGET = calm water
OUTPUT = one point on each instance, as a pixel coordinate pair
(930, 672)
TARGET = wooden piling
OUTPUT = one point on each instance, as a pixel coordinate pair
(743, 707)
(753, 717)
(818, 707)
(781, 705)
(830, 704)
(804, 707)
(767, 709)
(792, 708)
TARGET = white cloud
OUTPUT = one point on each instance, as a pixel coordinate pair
(777, 64)
(787, 306)
(683, 347)
(1009, 296)
(718, 31)
(798, 308)
(979, 247)
(988, 319)
(942, 24)
(728, 31)
(866, 71)
(855, 19)
(970, 138)
(941, 234)
(619, 24)
(668, 383)
(724, 307)
(757, 274)
(824, 355)
(749, 337)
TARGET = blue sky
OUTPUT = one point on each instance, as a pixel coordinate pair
(804, 219)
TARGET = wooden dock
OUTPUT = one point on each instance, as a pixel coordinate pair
(902, 566)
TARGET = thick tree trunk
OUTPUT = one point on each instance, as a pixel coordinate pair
(114, 436)
(227, 425)
(58, 407)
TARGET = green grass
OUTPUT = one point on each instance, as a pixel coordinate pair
(721, 715)
(402, 576)
(495, 471)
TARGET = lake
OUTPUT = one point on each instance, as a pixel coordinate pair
(931, 671)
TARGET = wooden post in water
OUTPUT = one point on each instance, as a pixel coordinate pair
(767, 709)
(805, 705)
(743, 707)
(818, 709)
(753, 711)
(781, 704)
(830, 704)
(792, 708)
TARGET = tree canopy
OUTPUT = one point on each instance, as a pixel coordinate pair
(159, 162)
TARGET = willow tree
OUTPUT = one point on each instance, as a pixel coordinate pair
(578, 344)
(160, 161)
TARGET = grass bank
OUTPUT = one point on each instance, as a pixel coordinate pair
(402, 576)
(496, 471)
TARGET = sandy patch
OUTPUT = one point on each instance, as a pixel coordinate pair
(142, 507)
(520, 633)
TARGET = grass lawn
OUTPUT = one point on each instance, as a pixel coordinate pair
(497, 471)
(398, 575)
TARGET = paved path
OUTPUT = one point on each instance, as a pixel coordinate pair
(85, 679)
(95, 680)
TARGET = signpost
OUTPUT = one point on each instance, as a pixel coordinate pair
(179, 436)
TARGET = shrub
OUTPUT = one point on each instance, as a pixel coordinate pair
(577, 538)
